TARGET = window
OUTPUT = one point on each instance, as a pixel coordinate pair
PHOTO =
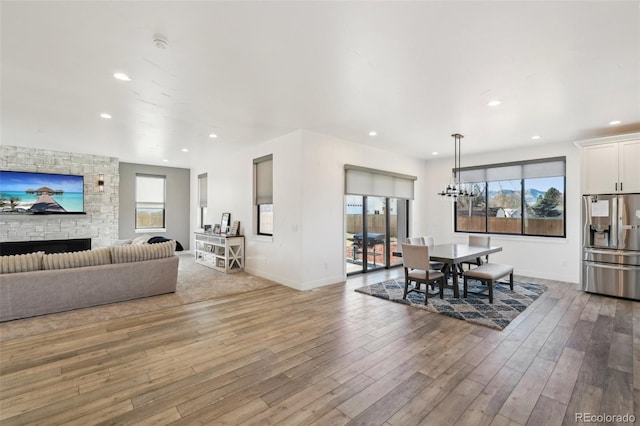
(263, 189)
(150, 202)
(521, 198)
(202, 199)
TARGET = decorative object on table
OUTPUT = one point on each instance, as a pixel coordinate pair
(506, 304)
(216, 228)
(235, 228)
(224, 223)
(207, 228)
(455, 189)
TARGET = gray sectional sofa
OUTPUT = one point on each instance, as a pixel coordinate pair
(38, 283)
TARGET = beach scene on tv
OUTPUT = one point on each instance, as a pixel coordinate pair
(24, 192)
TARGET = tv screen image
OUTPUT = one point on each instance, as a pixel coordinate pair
(40, 193)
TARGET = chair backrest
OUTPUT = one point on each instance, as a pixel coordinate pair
(415, 241)
(415, 256)
(480, 240)
(429, 241)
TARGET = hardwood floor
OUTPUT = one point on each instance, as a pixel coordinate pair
(329, 357)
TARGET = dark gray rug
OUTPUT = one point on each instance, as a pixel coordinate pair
(506, 304)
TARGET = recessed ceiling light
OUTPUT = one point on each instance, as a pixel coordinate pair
(494, 103)
(105, 115)
(614, 122)
(213, 135)
(185, 150)
(122, 76)
(165, 160)
(434, 153)
(535, 137)
(372, 133)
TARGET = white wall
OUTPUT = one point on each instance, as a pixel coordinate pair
(230, 189)
(551, 258)
(308, 246)
(324, 158)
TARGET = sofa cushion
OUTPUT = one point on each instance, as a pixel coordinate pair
(21, 263)
(77, 259)
(136, 253)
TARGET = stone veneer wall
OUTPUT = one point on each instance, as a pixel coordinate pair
(101, 220)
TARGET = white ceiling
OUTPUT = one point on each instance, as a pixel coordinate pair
(414, 72)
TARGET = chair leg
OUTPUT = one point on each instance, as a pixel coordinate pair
(511, 281)
(490, 284)
(426, 293)
(406, 284)
(466, 286)
(442, 288)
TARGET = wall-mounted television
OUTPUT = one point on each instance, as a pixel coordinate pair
(40, 193)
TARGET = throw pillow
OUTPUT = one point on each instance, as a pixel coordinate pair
(21, 263)
(156, 240)
(141, 240)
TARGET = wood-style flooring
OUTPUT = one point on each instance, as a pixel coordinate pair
(329, 357)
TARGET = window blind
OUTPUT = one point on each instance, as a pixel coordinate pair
(202, 190)
(365, 181)
(150, 189)
(264, 179)
(548, 167)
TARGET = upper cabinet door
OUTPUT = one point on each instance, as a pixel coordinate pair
(629, 173)
(600, 169)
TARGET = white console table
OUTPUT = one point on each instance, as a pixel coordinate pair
(220, 252)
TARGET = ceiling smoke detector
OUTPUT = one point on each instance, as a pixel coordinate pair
(160, 41)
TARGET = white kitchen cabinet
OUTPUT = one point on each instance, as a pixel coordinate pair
(610, 168)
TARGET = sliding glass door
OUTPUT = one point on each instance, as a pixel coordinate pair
(374, 225)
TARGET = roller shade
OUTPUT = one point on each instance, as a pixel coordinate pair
(150, 189)
(365, 181)
(548, 167)
(264, 179)
(202, 190)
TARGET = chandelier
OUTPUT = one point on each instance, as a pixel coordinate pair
(455, 189)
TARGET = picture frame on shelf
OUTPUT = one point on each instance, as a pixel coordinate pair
(207, 229)
(235, 228)
(225, 222)
(216, 228)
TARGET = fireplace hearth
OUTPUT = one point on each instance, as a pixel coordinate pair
(47, 246)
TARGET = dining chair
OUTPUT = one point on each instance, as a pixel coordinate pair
(415, 259)
(478, 241)
(415, 241)
(430, 241)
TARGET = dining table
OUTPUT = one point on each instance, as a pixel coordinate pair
(452, 254)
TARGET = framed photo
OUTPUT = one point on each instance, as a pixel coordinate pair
(207, 229)
(216, 228)
(235, 228)
(225, 222)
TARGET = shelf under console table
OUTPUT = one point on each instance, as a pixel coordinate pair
(220, 252)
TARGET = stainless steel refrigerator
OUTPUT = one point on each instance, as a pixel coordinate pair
(611, 245)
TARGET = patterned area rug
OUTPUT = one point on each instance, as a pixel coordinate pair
(506, 305)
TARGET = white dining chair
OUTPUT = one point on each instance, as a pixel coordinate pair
(478, 241)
